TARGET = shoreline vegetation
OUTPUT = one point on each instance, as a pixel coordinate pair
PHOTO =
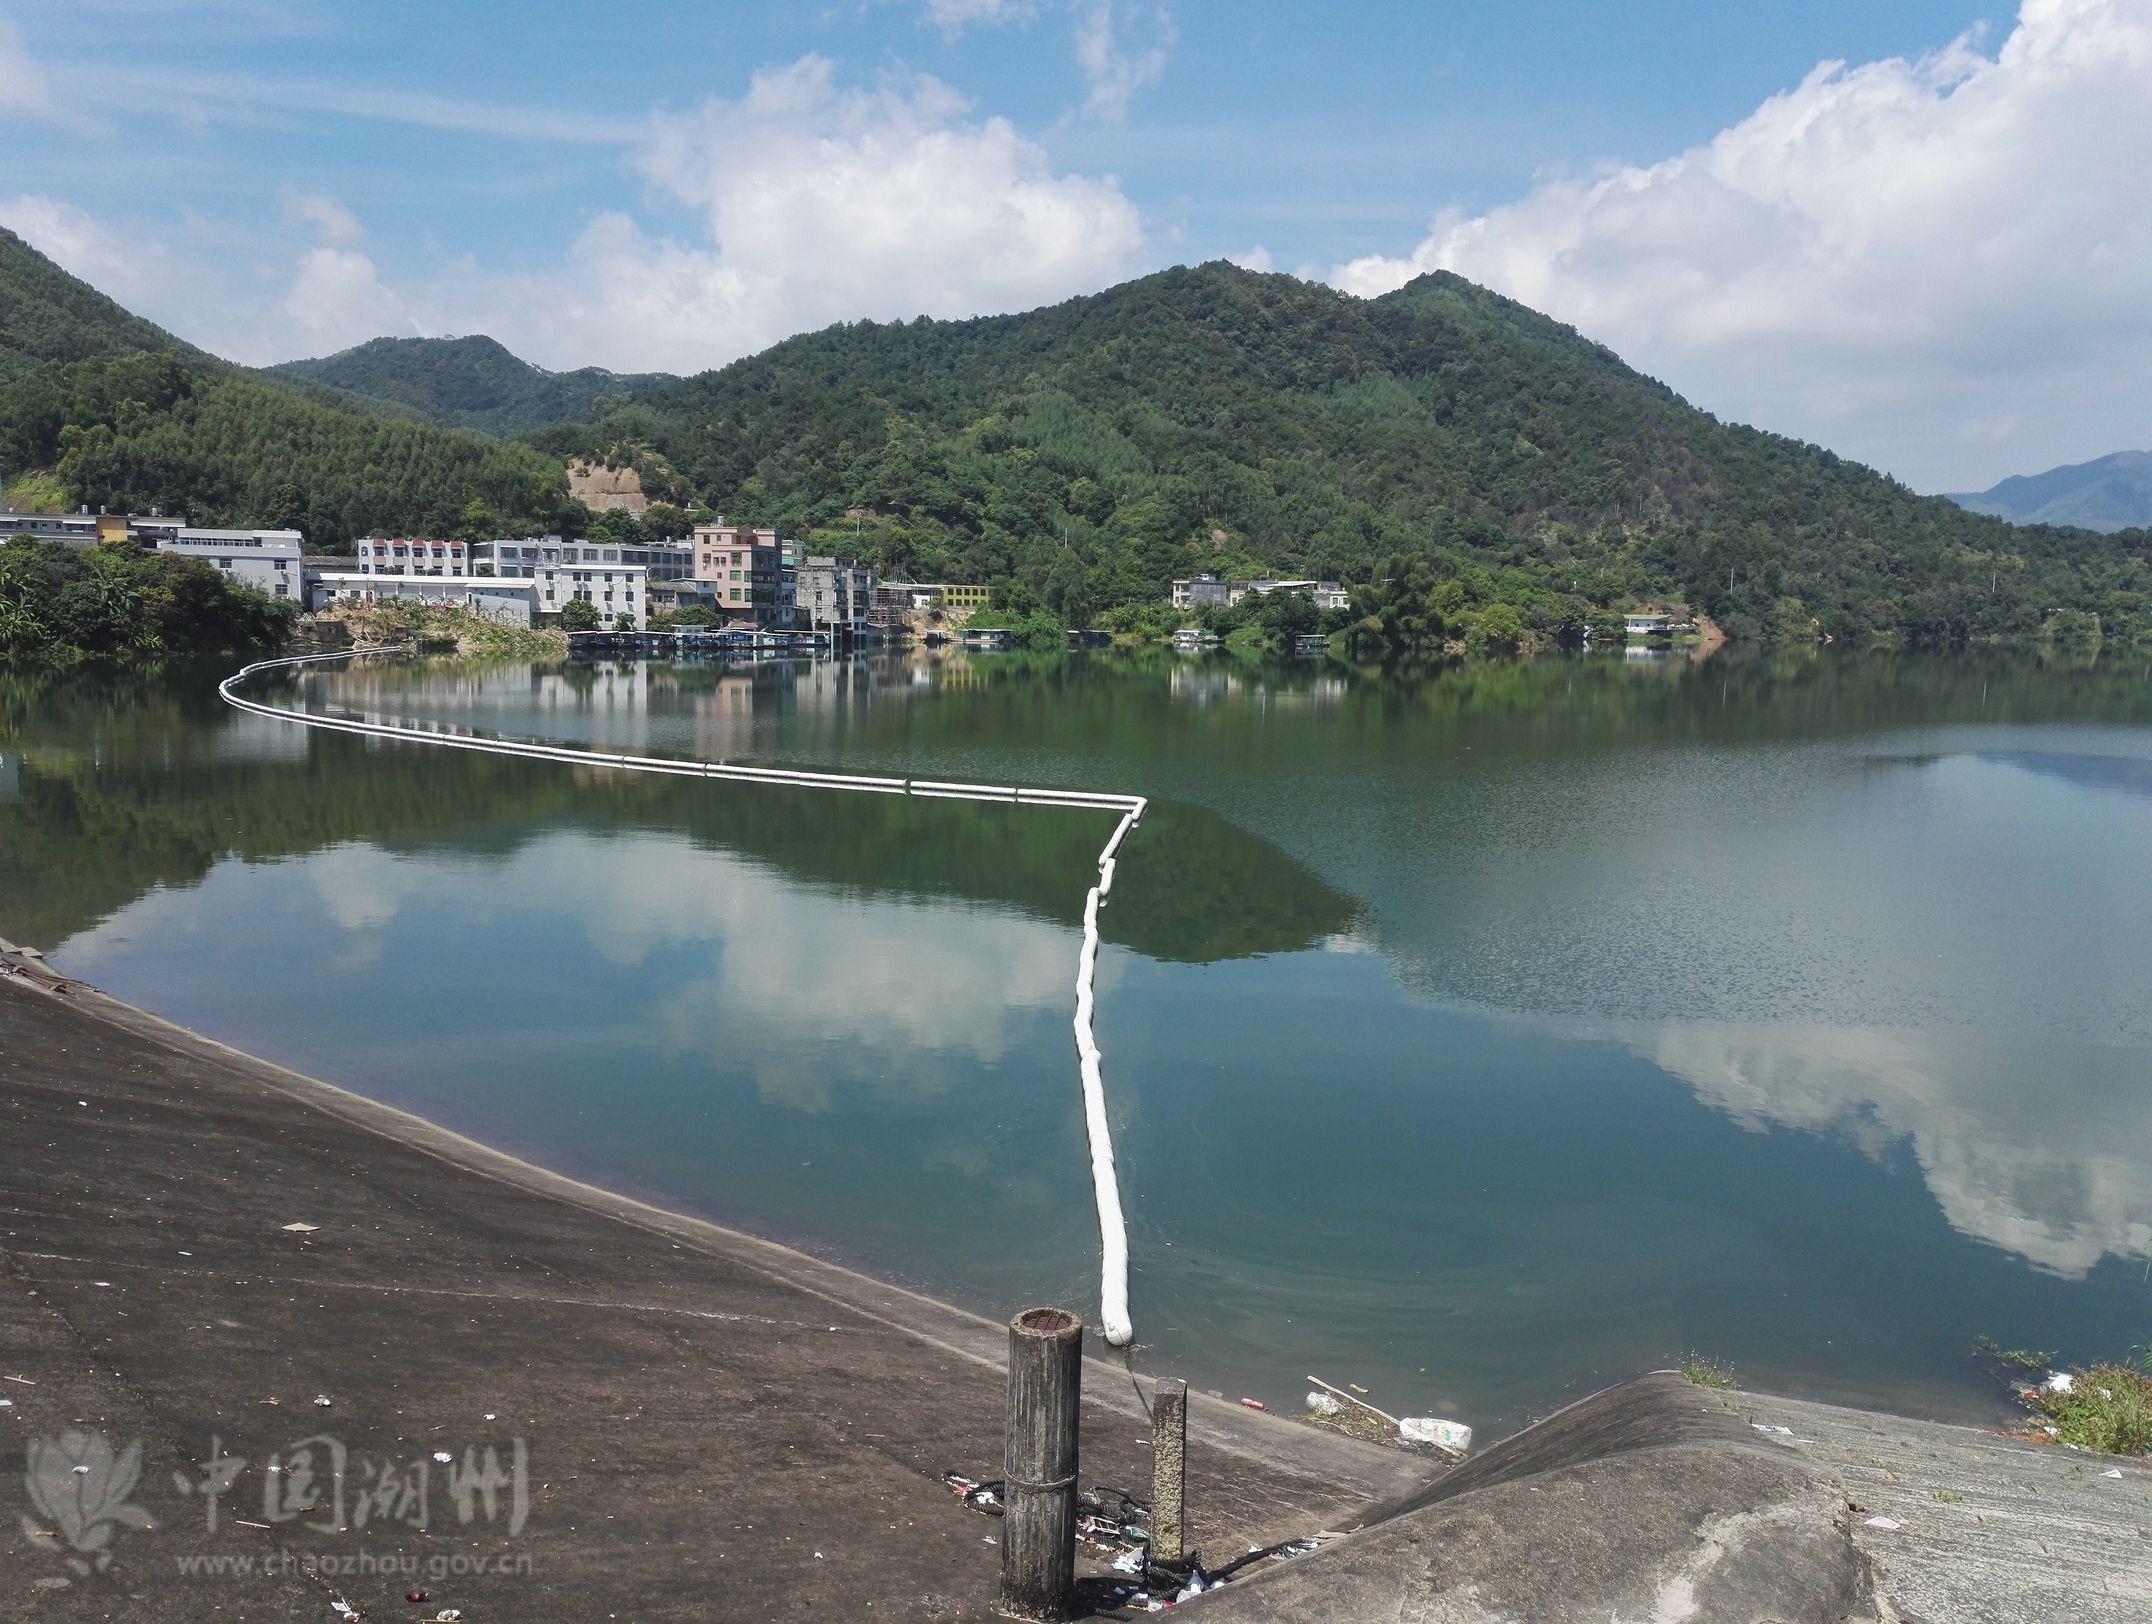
(63, 606)
(441, 628)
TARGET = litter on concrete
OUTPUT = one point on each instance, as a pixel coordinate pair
(2112, 1471)
(1883, 1523)
(300, 1228)
(1454, 1437)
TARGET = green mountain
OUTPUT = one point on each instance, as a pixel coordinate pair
(1451, 442)
(47, 315)
(130, 417)
(466, 383)
(2107, 494)
(1488, 476)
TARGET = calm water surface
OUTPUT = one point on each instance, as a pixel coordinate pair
(1479, 1038)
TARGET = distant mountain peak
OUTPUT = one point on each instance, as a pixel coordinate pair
(2108, 493)
(473, 381)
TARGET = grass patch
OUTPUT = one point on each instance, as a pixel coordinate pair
(2108, 1408)
(1706, 1372)
(439, 627)
(2025, 1359)
(38, 491)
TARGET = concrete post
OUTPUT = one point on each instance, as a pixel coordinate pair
(1169, 1456)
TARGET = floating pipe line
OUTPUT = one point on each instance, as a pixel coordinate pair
(1105, 1183)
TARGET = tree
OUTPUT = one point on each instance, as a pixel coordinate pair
(665, 522)
(623, 623)
(578, 615)
(1068, 590)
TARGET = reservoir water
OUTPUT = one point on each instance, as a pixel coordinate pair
(1478, 1037)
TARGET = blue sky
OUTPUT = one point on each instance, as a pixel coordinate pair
(675, 185)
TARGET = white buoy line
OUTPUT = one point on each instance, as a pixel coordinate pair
(1105, 1184)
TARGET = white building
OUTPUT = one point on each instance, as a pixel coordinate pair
(267, 560)
(1326, 594)
(508, 602)
(408, 555)
(611, 589)
(520, 560)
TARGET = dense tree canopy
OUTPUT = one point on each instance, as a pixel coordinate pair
(60, 605)
(1217, 419)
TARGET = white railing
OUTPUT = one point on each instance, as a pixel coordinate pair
(1105, 1184)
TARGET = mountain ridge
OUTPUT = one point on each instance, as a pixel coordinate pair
(470, 382)
(2107, 494)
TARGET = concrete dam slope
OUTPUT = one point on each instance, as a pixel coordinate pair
(199, 1246)
(276, 1290)
(1658, 1501)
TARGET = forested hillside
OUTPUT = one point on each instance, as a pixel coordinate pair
(1218, 419)
(466, 383)
(130, 417)
(1488, 475)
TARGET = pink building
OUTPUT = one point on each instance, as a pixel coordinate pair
(745, 569)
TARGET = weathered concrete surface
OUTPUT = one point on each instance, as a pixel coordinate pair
(716, 1427)
(1650, 1501)
(1991, 1530)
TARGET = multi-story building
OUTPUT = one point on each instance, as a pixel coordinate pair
(746, 568)
(1202, 589)
(832, 594)
(409, 555)
(962, 597)
(83, 528)
(611, 589)
(522, 559)
(270, 561)
(1208, 589)
(509, 602)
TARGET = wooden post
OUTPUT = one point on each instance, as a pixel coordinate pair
(1169, 1459)
(1038, 1526)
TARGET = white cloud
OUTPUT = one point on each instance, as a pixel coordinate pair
(330, 220)
(1933, 264)
(109, 260)
(337, 299)
(247, 298)
(22, 84)
(823, 203)
(2060, 1188)
(1255, 259)
(952, 17)
(1114, 68)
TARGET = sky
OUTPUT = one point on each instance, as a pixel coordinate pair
(1916, 231)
